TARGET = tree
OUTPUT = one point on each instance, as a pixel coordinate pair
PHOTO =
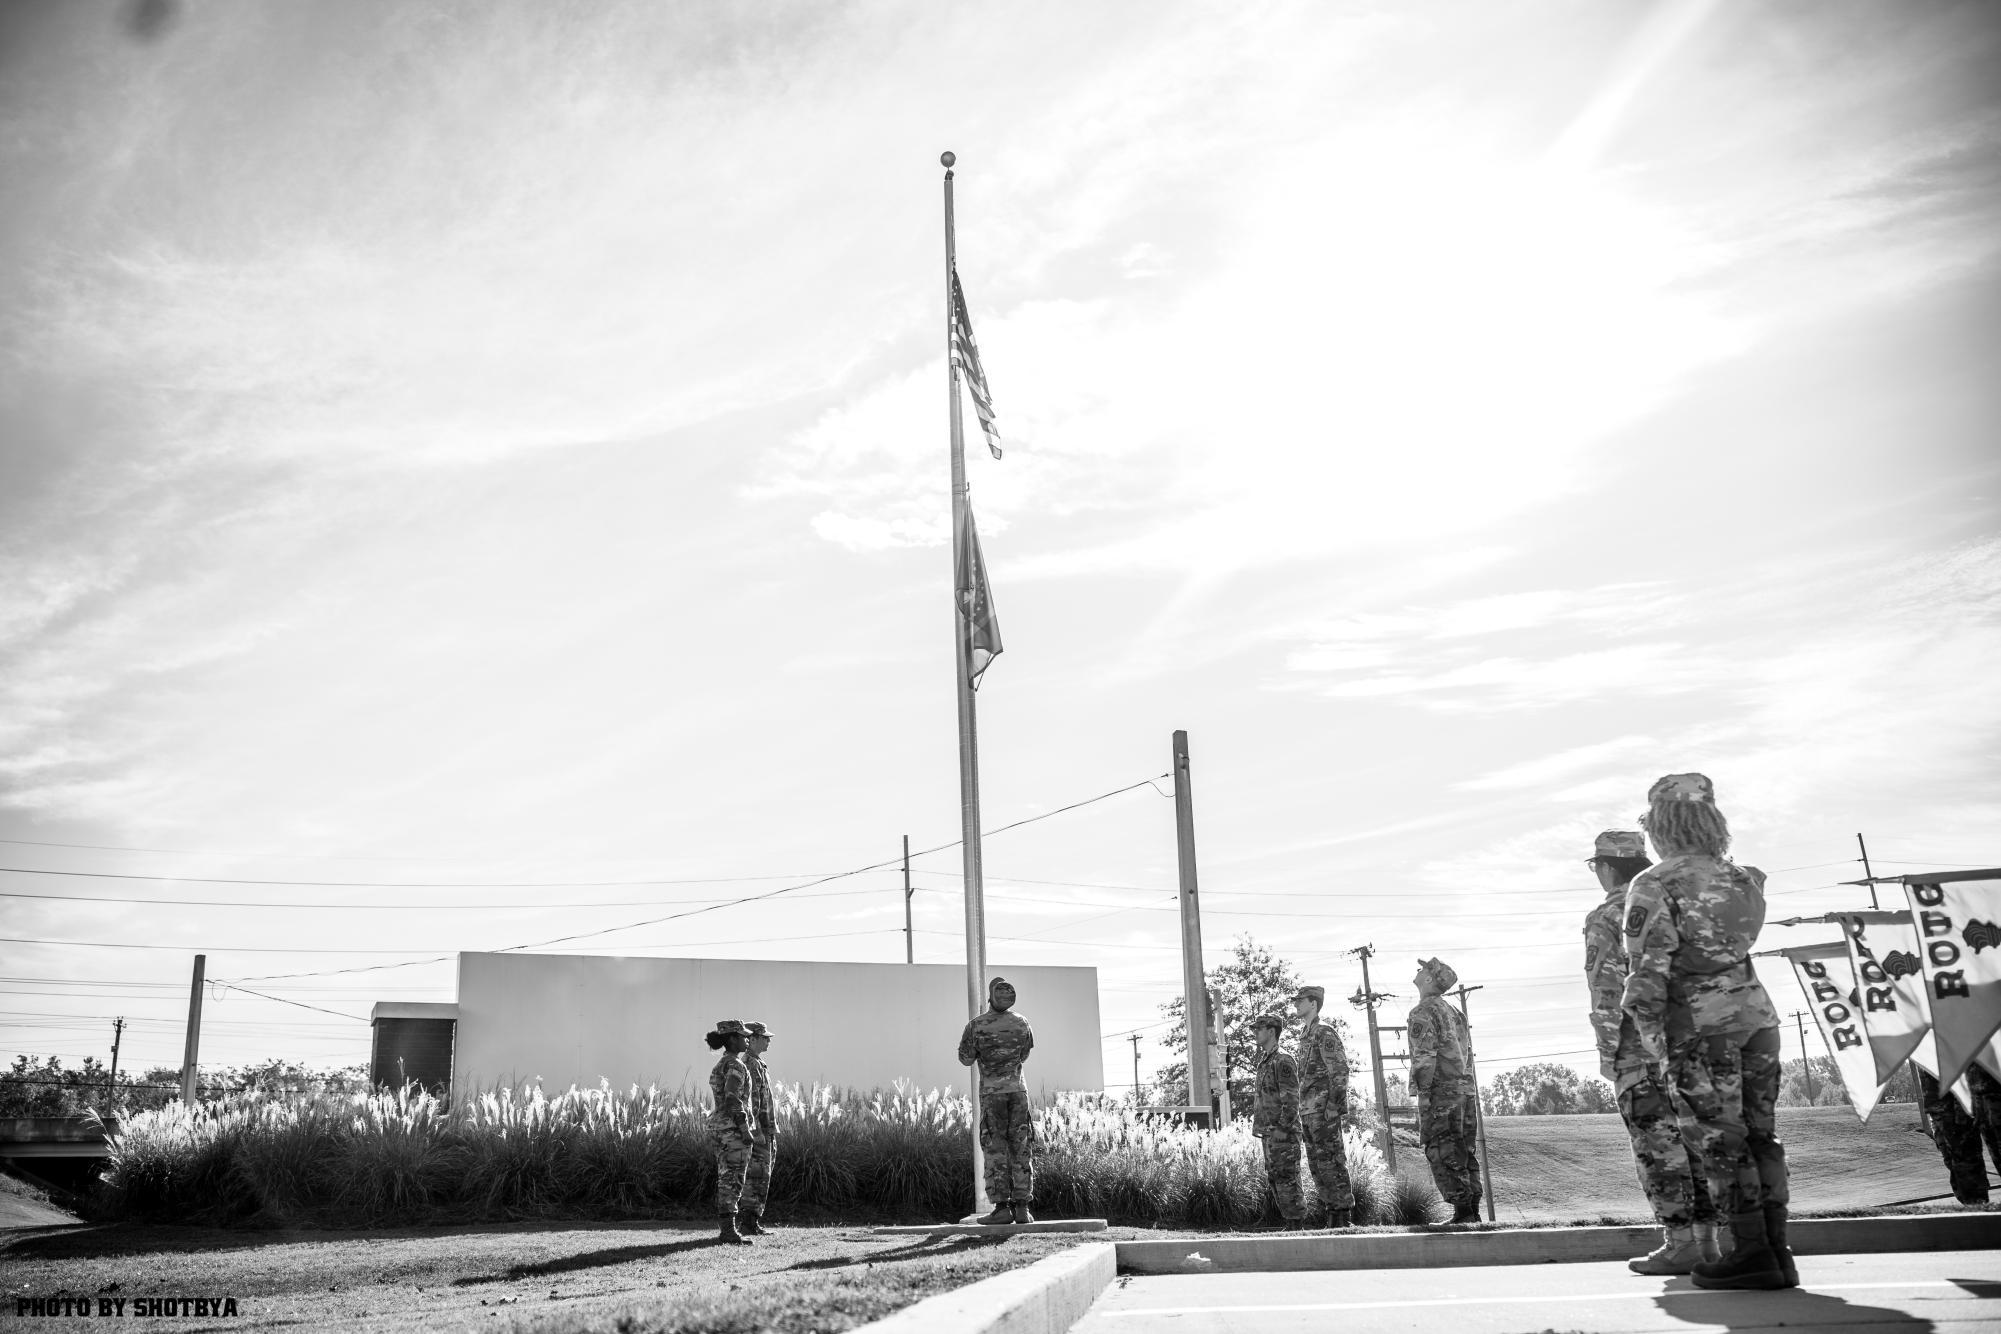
(1545, 1089)
(1253, 981)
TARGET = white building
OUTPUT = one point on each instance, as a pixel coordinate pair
(576, 1019)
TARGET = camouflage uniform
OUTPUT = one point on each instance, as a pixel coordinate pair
(1987, 1109)
(764, 1142)
(1323, 1106)
(732, 1127)
(1448, 1108)
(1000, 1040)
(1276, 1122)
(1696, 1002)
(1670, 1169)
(1958, 1137)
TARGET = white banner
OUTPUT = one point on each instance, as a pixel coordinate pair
(1893, 1006)
(1958, 920)
(1831, 995)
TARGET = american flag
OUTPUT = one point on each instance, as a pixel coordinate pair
(966, 357)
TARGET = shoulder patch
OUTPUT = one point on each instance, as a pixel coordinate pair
(1636, 917)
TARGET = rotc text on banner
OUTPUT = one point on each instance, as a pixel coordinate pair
(1883, 949)
(1830, 989)
(976, 604)
(1958, 919)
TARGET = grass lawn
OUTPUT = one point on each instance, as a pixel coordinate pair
(1579, 1167)
(626, 1277)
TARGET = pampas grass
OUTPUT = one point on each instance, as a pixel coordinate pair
(367, 1159)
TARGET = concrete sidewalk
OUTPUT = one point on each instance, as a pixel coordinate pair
(1903, 1292)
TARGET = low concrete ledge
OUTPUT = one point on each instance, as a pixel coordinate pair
(1046, 1297)
(992, 1229)
(1523, 1246)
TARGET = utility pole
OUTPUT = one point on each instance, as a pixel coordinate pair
(1194, 982)
(1806, 1055)
(1367, 999)
(1134, 1039)
(909, 940)
(117, 1035)
(1479, 1111)
(191, 1057)
(1869, 874)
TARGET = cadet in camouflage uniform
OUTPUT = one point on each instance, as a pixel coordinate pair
(1323, 1106)
(1000, 1041)
(1670, 1172)
(1448, 1108)
(733, 1123)
(764, 1143)
(1276, 1120)
(1956, 1132)
(1696, 1002)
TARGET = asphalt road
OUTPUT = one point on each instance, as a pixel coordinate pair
(1945, 1290)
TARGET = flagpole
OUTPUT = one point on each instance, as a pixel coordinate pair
(969, 745)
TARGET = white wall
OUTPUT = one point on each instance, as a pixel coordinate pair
(573, 1019)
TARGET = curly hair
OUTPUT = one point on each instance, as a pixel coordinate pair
(717, 1040)
(1679, 828)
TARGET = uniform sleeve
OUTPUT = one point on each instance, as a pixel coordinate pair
(1027, 1039)
(1604, 975)
(1287, 1109)
(1335, 1057)
(735, 1101)
(1651, 940)
(968, 1049)
(1422, 1035)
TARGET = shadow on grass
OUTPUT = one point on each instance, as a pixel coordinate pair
(569, 1264)
(929, 1248)
(112, 1240)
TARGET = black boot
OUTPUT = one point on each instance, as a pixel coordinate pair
(1775, 1237)
(1021, 1213)
(1467, 1211)
(729, 1236)
(1751, 1265)
(747, 1223)
(1002, 1215)
(1340, 1218)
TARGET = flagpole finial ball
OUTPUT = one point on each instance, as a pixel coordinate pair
(947, 159)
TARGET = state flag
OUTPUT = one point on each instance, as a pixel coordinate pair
(976, 604)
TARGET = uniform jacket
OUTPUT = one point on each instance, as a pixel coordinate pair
(1000, 1041)
(1278, 1094)
(760, 1096)
(1323, 1066)
(729, 1084)
(1438, 1046)
(1690, 924)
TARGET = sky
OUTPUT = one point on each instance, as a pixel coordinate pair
(475, 474)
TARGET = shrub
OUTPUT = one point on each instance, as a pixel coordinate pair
(516, 1153)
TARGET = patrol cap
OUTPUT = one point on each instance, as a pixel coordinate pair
(1440, 971)
(756, 1029)
(1271, 1021)
(731, 1026)
(1620, 843)
(1683, 787)
(1318, 995)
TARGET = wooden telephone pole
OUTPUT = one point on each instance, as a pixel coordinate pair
(191, 1056)
(1479, 1112)
(1368, 999)
(1194, 981)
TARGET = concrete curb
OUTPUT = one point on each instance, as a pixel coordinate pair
(994, 1229)
(1521, 1246)
(1046, 1297)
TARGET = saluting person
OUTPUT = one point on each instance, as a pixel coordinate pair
(1697, 1004)
(1276, 1119)
(764, 1141)
(1323, 1106)
(732, 1123)
(1670, 1169)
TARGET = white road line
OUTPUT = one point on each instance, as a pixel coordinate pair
(1518, 1301)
